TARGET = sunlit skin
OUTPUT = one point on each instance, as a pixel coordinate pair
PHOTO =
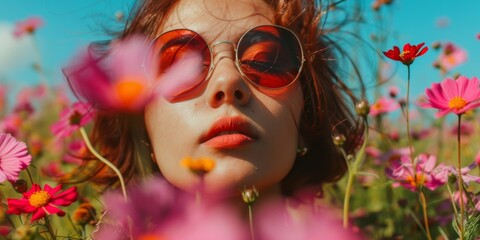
(175, 127)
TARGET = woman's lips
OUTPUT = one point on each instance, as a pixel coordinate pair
(229, 132)
(228, 141)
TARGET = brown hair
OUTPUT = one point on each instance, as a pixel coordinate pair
(328, 103)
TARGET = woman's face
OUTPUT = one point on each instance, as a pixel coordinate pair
(249, 132)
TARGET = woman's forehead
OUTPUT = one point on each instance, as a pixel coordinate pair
(214, 19)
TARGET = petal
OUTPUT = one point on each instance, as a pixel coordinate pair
(449, 88)
(39, 213)
(51, 209)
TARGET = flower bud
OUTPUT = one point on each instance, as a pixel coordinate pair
(20, 186)
(362, 108)
(85, 214)
(339, 139)
(250, 195)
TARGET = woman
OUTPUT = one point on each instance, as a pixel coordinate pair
(264, 107)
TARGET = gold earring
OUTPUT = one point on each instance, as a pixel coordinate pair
(302, 151)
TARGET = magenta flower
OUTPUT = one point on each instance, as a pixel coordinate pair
(467, 178)
(42, 202)
(72, 119)
(383, 105)
(453, 96)
(27, 26)
(159, 210)
(77, 150)
(14, 157)
(11, 124)
(450, 57)
(118, 82)
(423, 173)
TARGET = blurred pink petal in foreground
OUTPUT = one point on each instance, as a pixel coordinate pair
(72, 119)
(126, 78)
(277, 220)
(453, 96)
(157, 210)
(112, 82)
(27, 26)
(180, 77)
(14, 157)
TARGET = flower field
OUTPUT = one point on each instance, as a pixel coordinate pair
(414, 175)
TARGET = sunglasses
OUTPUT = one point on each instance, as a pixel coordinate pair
(269, 56)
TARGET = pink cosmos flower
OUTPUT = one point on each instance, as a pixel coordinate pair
(423, 173)
(52, 170)
(467, 178)
(125, 80)
(42, 202)
(76, 151)
(72, 119)
(117, 82)
(383, 105)
(27, 26)
(453, 96)
(450, 57)
(466, 129)
(14, 157)
(11, 124)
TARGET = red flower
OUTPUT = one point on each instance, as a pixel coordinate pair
(41, 202)
(409, 53)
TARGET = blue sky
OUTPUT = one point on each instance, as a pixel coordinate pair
(70, 25)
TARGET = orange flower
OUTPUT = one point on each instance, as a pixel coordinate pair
(409, 53)
(199, 165)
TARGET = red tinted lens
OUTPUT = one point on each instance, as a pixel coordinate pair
(270, 56)
(172, 50)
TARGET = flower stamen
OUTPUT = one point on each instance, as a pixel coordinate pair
(457, 103)
(39, 198)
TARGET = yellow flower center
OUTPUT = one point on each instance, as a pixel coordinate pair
(377, 106)
(403, 54)
(416, 182)
(128, 90)
(457, 103)
(150, 236)
(39, 199)
(200, 165)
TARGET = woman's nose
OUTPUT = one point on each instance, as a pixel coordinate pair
(226, 85)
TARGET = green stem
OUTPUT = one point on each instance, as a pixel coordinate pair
(460, 179)
(409, 138)
(425, 214)
(38, 66)
(105, 161)
(29, 176)
(49, 227)
(250, 220)
(351, 175)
